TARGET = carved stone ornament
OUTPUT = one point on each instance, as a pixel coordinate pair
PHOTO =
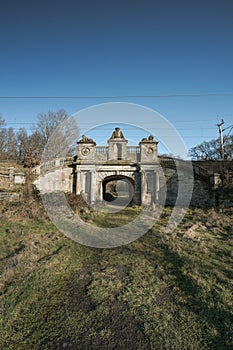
(117, 134)
(85, 151)
(150, 150)
(86, 139)
(149, 138)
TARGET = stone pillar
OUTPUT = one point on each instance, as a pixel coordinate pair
(117, 146)
(93, 187)
(83, 182)
(70, 183)
(86, 149)
(78, 182)
(156, 185)
(117, 149)
(100, 191)
(148, 150)
(143, 188)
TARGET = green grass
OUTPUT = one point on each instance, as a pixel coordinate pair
(110, 219)
(159, 292)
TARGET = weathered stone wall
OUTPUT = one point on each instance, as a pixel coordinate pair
(9, 196)
(5, 183)
(10, 183)
(202, 196)
(224, 197)
(215, 166)
(60, 179)
(9, 176)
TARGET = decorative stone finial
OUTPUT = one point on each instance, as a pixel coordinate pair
(149, 138)
(86, 139)
(117, 134)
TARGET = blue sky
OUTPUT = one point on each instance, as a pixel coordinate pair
(119, 48)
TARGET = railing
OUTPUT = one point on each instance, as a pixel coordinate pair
(133, 149)
(130, 149)
(101, 149)
(50, 165)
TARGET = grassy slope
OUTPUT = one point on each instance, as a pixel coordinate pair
(159, 292)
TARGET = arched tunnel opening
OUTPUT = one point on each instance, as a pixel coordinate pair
(118, 190)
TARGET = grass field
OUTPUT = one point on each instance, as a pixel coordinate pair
(159, 292)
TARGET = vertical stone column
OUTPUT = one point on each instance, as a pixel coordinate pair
(117, 146)
(117, 149)
(83, 182)
(100, 191)
(143, 188)
(93, 187)
(148, 150)
(156, 185)
(78, 182)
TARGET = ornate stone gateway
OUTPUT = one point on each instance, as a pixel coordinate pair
(117, 169)
(132, 173)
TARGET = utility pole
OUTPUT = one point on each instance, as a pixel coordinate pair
(221, 138)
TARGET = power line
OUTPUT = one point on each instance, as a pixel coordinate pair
(130, 128)
(118, 96)
(91, 123)
(18, 123)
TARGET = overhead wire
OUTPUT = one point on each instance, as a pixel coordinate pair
(119, 96)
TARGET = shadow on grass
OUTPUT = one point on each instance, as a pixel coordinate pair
(215, 316)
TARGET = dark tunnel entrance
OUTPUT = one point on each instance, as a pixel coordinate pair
(118, 190)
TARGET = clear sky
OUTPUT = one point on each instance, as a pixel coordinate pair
(119, 48)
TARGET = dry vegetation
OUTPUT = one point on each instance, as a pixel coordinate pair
(159, 292)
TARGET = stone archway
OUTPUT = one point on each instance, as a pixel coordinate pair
(118, 187)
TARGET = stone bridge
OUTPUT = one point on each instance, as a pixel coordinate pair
(118, 170)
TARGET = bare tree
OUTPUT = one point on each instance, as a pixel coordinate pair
(54, 132)
(210, 150)
(8, 141)
(53, 129)
(62, 141)
(2, 136)
(12, 146)
(2, 121)
(47, 124)
(30, 148)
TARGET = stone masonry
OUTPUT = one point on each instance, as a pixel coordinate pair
(101, 172)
